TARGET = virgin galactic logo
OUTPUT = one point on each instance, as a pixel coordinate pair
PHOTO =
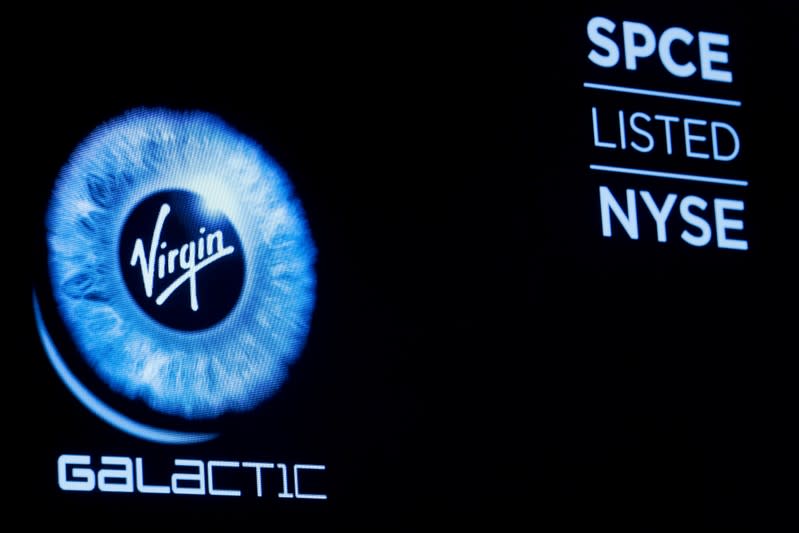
(181, 267)
(180, 255)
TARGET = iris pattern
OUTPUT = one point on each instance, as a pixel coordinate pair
(237, 363)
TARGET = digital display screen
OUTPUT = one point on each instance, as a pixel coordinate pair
(325, 267)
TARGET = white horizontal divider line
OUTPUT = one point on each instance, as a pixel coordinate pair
(662, 94)
(669, 175)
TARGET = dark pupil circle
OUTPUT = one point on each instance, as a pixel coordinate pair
(182, 262)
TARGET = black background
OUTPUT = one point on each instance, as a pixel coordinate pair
(478, 349)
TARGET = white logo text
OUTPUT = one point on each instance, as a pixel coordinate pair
(206, 250)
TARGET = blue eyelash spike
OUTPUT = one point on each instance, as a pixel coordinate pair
(152, 216)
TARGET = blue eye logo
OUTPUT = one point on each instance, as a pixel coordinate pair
(181, 267)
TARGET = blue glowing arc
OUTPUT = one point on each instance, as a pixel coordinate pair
(101, 409)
